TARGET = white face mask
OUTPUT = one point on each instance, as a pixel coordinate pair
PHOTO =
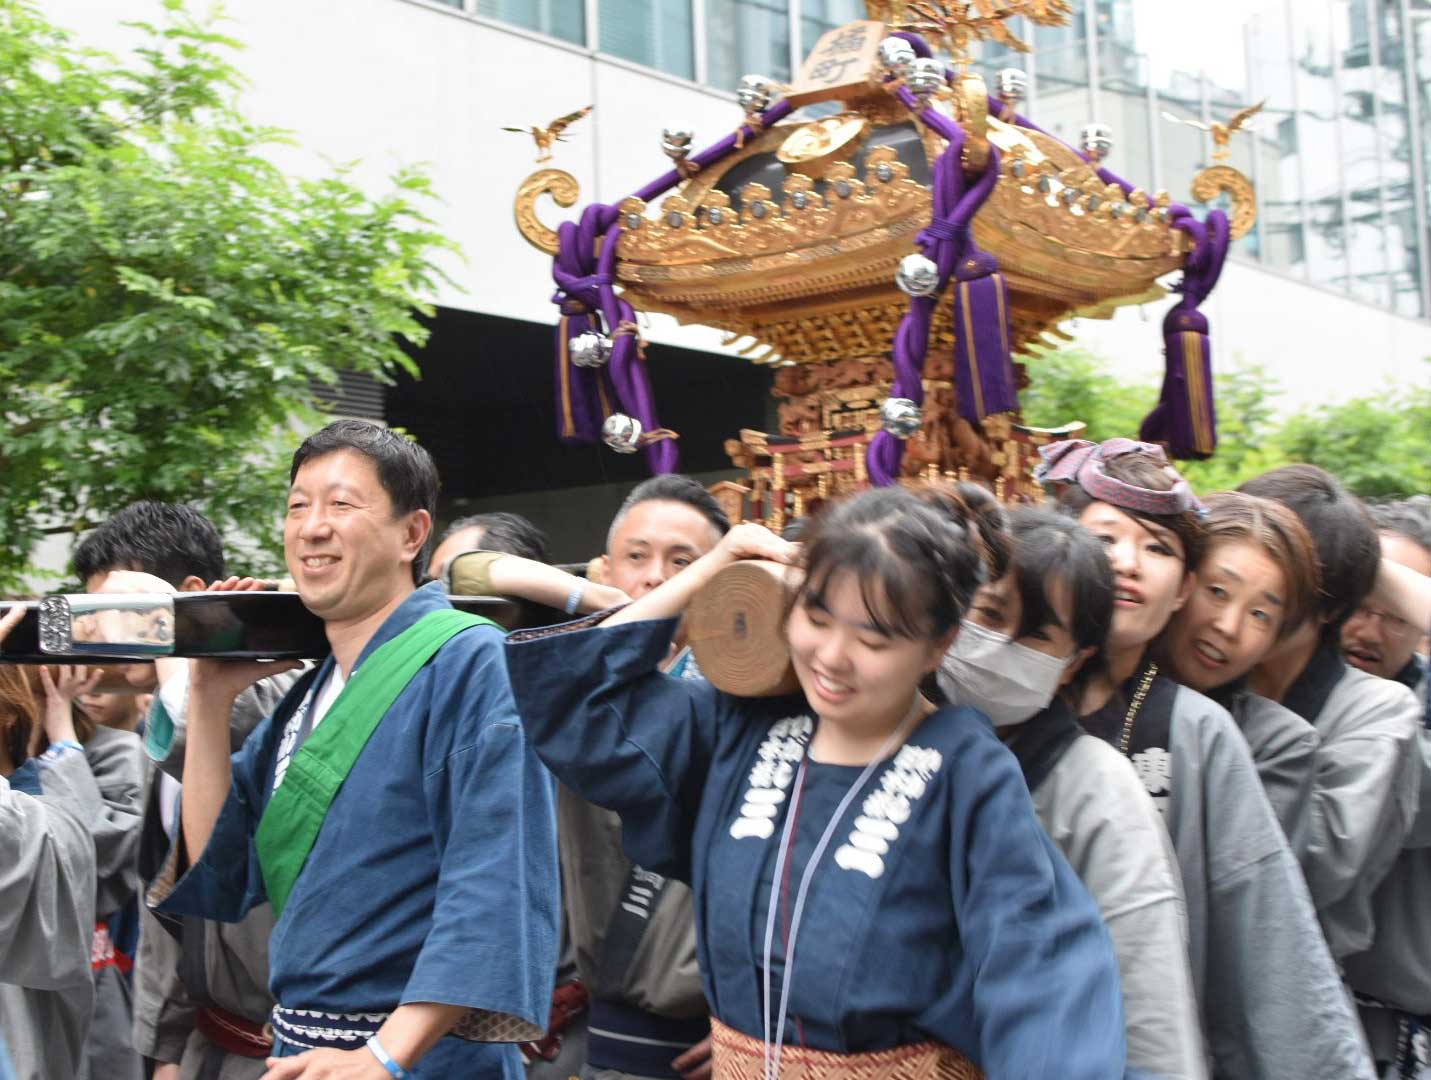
(1006, 681)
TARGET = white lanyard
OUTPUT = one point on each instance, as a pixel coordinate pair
(772, 1051)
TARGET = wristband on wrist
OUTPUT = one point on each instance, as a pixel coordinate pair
(573, 599)
(396, 1071)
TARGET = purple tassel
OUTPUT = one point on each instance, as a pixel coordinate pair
(1185, 418)
(984, 369)
(587, 297)
(584, 395)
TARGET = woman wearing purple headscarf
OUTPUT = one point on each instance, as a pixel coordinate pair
(1272, 1001)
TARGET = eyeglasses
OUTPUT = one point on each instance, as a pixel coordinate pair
(1393, 624)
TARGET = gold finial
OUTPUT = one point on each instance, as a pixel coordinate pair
(1222, 133)
(552, 133)
(957, 24)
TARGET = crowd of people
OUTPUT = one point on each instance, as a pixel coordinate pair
(1136, 782)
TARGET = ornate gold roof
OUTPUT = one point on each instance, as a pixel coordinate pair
(793, 240)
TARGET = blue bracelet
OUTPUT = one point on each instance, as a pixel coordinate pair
(396, 1071)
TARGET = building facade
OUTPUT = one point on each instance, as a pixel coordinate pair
(1335, 271)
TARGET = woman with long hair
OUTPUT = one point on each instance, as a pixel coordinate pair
(1031, 642)
(1271, 997)
(874, 894)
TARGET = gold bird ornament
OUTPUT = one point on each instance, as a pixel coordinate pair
(552, 133)
(1222, 133)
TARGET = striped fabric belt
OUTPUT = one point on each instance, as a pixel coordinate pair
(314, 1030)
(630, 1040)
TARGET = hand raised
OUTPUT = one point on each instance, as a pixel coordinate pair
(750, 541)
(223, 680)
(242, 584)
(61, 688)
(10, 621)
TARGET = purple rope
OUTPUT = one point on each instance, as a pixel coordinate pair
(590, 281)
(945, 240)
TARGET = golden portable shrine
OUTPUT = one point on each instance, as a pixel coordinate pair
(890, 258)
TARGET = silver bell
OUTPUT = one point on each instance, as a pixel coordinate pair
(676, 143)
(917, 275)
(1096, 141)
(897, 56)
(622, 433)
(754, 94)
(926, 76)
(901, 417)
(589, 349)
(1013, 85)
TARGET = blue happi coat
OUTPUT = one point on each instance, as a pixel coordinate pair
(434, 877)
(941, 910)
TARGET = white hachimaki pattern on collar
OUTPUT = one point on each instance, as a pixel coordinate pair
(901, 785)
(774, 768)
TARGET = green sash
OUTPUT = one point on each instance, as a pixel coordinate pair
(295, 814)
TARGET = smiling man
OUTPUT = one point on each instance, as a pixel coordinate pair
(389, 809)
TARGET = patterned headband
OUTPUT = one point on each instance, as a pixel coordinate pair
(1078, 461)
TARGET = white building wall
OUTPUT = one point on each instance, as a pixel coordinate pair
(392, 82)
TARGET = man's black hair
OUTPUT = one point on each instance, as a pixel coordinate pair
(169, 540)
(501, 531)
(1409, 518)
(1347, 545)
(405, 470)
(673, 487)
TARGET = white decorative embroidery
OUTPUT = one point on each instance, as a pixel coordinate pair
(903, 782)
(1155, 769)
(782, 749)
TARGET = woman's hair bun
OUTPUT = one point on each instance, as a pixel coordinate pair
(974, 509)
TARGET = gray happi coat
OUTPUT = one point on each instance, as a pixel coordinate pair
(232, 965)
(1273, 1004)
(1397, 968)
(1364, 795)
(1095, 809)
(1284, 749)
(47, 917)
(117, 762)
(1272, 1000)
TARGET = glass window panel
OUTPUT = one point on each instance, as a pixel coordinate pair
(1277, 141)
(657, 33)
(1361, 153)
(1123, 106)
(563, 19)
(1396, 149)
(747, 37)
(819, 16)
(1319, 138)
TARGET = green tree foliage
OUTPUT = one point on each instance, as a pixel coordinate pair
(1075, 384)
(1378, 445)
(168, 297)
